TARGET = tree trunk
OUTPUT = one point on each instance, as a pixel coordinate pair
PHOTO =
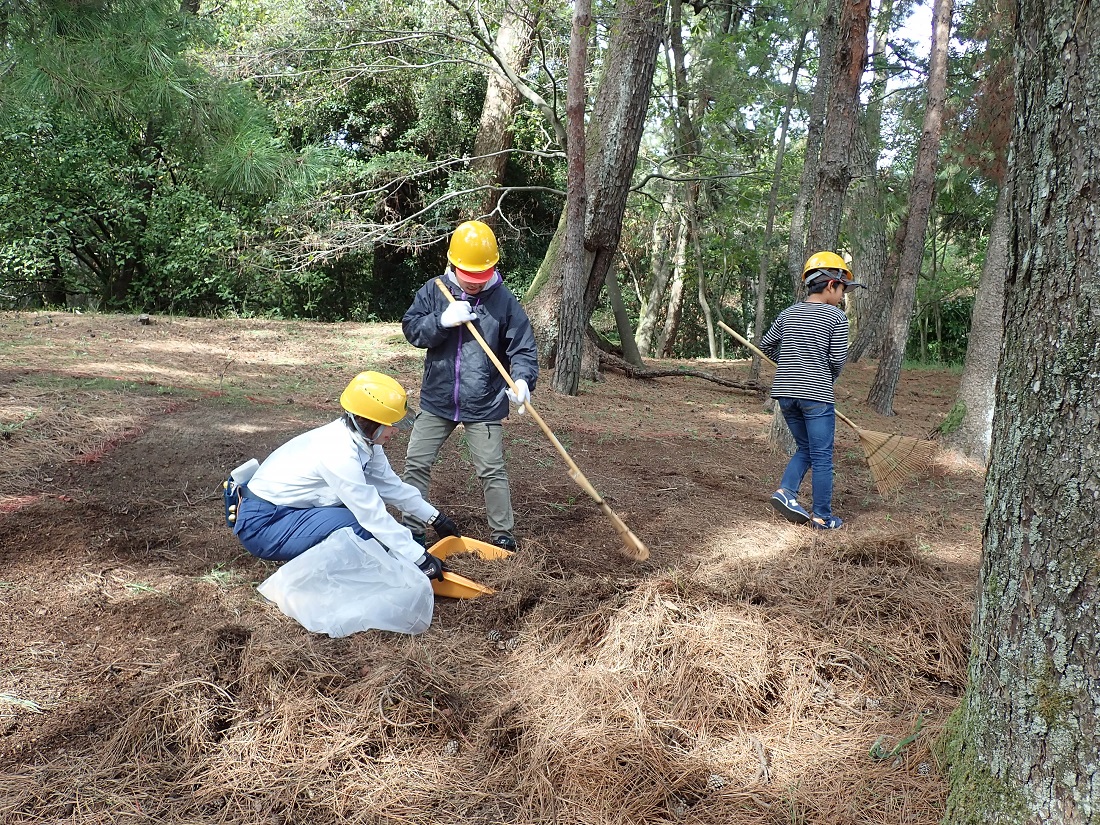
(977, 386)
(622, 320)
(701, 281)
(867, 214)
(869, 251)
(773, 200)
(571, 323)
(881, 394)
(613, 135)
(868, 340)
(667, 338)
(514, 42)
(687, 151)
(796, 244)
(1025, 747)
(834, 173)
(660, 266)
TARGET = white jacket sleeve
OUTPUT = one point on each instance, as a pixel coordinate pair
(345, 475)
(394, 491)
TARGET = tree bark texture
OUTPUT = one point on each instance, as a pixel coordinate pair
(796, 244)
(834, 173)
(868, 339)
(867, 213)
(773, 201)
(613, 136)
(868, 234)
(661, 242)
(1026, 748)
(881, 394)
(622, 320)
(571, 324)
(983, 349)
(514, 41)
(667, 339)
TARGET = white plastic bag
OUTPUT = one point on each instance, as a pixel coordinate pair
(346, 584)
(243, 474)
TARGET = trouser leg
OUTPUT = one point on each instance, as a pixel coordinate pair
(799, 463)
(278, 533)
(820, 431)
(486, 440)
(425, 441)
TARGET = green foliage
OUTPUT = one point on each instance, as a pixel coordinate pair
(953, 420)
(308, 159)
(128, 172)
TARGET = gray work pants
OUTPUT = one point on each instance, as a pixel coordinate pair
(486, 442)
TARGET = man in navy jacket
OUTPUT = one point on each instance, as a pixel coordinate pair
(461, 385)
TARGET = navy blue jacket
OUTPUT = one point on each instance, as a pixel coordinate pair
(460, 382)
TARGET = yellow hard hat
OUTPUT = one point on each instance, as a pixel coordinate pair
(378, 398)
(473, 249)
(828, 261)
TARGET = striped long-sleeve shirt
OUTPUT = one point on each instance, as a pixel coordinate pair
(809, 342)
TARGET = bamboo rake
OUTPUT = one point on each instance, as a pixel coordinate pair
(892, 459)
(632, 546)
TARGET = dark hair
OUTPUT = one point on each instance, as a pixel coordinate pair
(357, 423)
(819, 285)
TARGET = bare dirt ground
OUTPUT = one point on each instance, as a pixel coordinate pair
(749, 671)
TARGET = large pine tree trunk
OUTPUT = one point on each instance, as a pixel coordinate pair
(834, 173)
(868, 220)
(796, 244)
(983, 349)
(571, 323)
(613, 135)
(867, 214)
(514, 42)
(868, 339)
(1026, 748)
(881, 394)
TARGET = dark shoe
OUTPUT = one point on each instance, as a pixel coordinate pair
(505, 542)
(826, 522)
(787, 506)
(420, 539)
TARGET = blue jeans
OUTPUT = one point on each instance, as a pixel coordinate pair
(813, 424)
(277, 533)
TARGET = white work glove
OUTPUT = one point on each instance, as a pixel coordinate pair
(520, 396)
(457, 314)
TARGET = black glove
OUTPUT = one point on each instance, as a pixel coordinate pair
(444, 526)
(433, 568)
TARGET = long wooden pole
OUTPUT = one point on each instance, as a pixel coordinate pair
(633, 546)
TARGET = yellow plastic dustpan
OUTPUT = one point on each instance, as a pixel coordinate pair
(453, 585)
(453, 545)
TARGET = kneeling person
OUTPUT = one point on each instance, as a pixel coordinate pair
(337, 476)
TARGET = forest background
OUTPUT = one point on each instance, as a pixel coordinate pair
(300, 161)
(309, 159)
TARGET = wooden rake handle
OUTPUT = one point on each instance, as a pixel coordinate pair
(755, 349)
(636, 549)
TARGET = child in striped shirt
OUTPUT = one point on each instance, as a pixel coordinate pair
(809, 342)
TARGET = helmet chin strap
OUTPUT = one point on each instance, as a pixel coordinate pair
(352, 421)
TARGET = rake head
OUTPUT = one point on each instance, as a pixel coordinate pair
(895, 459)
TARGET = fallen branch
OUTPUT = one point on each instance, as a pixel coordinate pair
(609, 360)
